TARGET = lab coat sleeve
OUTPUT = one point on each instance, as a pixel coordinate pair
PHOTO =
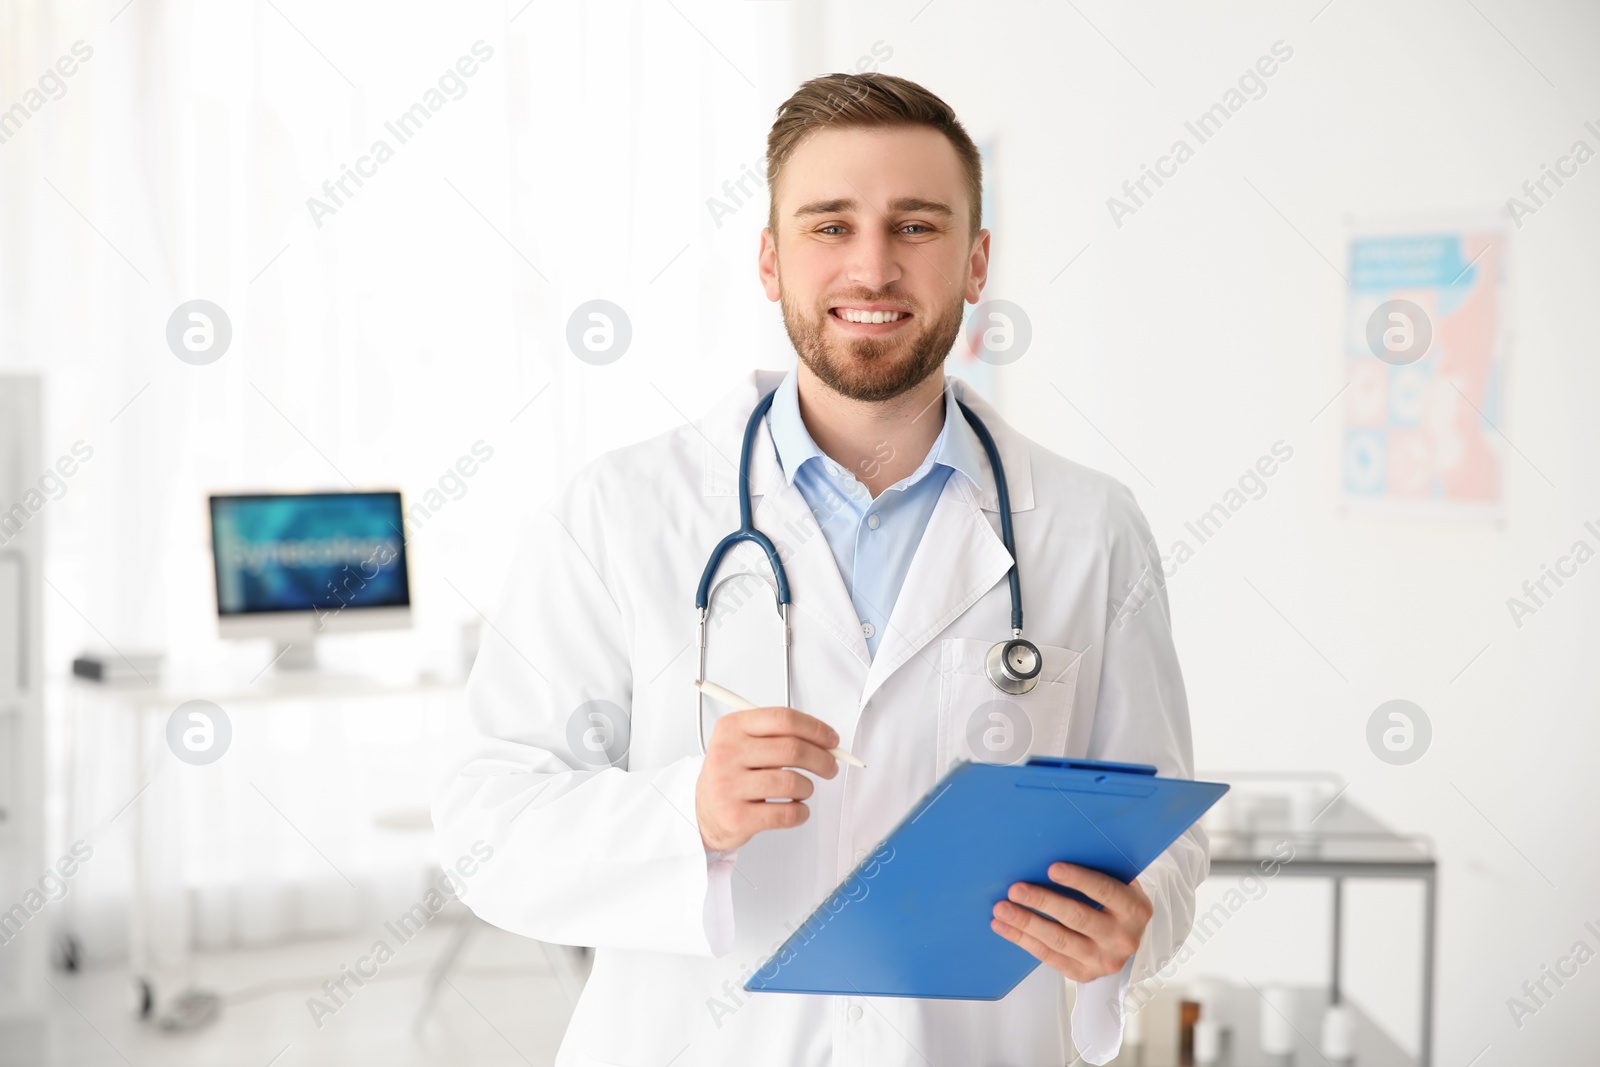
(586, 851)
(1142, 716)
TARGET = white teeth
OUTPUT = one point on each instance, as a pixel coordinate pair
(852, 315)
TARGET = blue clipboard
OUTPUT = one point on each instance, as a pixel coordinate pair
(912, 919)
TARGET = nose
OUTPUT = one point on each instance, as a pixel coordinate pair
(873, 260)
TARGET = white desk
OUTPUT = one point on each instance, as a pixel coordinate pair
(162, 696)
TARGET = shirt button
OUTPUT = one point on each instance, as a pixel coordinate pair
(855, 1012)
(872, 520)
(867, 630)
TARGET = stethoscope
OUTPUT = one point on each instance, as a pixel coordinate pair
(1012, 666)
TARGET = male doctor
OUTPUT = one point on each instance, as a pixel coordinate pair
(583, 769)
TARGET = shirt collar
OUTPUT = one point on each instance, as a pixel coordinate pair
(956, 447)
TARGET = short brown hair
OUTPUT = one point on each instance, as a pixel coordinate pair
(869, 100)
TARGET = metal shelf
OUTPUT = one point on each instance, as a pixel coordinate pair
(1341, 841)
(1241, 1007)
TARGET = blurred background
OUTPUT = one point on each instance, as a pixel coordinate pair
(1343, 241)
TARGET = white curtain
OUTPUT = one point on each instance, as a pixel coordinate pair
(375, 340)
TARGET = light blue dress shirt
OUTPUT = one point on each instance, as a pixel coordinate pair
(872, 540)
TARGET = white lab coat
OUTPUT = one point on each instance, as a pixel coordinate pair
(598, 613)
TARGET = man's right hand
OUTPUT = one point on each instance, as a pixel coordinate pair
(747, 761)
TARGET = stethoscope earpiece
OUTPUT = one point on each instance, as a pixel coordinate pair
(1013, 666)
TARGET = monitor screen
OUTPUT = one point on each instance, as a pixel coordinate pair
(308, 552)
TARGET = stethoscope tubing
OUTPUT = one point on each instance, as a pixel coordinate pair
(748, 532)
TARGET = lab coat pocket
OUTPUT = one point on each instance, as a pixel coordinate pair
(978, 722)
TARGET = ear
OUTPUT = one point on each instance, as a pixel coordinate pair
(977, 268)
(767, 265)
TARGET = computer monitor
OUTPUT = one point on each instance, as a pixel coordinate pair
(291, 566)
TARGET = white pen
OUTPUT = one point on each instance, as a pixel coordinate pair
(739, 703)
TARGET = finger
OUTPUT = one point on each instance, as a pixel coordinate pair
(1073, 914)
(1113, 895)
(779, 722)
(758, 815)
(1143, 905)
(1066, 965)
(1053, 934)
(763, 752)
(774, 784)
(1076, 969)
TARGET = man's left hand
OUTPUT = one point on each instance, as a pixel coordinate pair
(1079, 941)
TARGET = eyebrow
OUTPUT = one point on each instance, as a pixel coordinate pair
(845, 204)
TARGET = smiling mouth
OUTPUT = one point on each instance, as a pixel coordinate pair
(872, 321)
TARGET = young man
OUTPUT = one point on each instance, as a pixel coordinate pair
(585, 772)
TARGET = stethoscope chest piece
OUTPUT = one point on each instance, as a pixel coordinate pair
(1013, 666)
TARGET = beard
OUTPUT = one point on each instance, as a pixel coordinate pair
(873, 369)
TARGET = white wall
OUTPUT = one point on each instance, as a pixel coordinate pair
(1205, 328)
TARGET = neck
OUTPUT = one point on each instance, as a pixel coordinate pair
(880, 442)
